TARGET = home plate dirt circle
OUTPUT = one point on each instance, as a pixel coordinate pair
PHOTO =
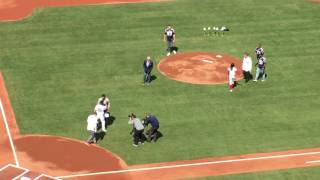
(199, 67)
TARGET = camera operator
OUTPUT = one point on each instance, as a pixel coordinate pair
(137, 130)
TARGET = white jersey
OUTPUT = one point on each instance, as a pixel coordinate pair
(105, 101)
(92, 123)
(100, 109)
(232, 72)
(247, 64)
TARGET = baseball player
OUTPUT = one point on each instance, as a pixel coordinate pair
(170, 37)
(92, 128)
(232, 76)
(153, 131)
(261, 69)
(247, 67)
(137, 130)
(105, 100)
(147, 68)
(259, 52)
(100, 109)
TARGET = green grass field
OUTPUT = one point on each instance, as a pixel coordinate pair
(59, 61)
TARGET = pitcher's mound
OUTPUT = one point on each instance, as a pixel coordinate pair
(199, 67)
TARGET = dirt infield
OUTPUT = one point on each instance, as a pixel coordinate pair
(199, 67)
(13, 10)
(316, 1)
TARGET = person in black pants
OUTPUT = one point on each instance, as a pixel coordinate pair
(153, 131)
(137, 130)
(147, 68)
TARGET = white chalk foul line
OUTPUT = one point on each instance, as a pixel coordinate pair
(9, 134)
(44, 175)
(312, 162)
(191, 164)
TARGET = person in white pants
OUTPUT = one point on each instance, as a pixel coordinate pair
(100, 109)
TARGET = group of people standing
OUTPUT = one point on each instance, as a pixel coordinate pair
(247, 68)
(97, 121)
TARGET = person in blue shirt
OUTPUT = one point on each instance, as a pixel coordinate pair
(153, 131)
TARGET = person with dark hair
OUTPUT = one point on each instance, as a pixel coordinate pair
(92, 128)
(137, 130)
(247, 67)
(147, 68)
(259, 51)
(170, 37)
(152, 133)
(232, 76)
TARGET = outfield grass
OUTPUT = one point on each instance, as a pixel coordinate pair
(57, 62)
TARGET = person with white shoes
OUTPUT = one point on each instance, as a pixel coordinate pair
(232, 76)
(170, 37)
(137, 130)
(100, 109)
(261, 69)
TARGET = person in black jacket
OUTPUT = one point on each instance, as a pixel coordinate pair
(153, 131)
(147, 68)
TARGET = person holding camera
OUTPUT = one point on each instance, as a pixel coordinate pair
(152, 133)
(137, 130)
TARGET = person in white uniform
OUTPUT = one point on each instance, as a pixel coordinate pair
(232, 76)
(100, 109)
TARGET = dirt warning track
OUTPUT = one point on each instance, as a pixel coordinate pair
(13, 10)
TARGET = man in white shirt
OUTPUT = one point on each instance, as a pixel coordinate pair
(92, 125)
(100, 109)
(247, 67)
(138, 128)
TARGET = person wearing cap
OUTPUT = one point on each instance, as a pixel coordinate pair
(137, 130)
(152, 133)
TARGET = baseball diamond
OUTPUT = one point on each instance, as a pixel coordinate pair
(235, 95)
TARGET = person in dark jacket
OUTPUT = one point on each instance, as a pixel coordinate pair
(153, 131)
(147, 68)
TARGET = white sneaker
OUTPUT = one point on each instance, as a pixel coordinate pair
(104, 130)
(231, 90)
(134, 145)
(174, 52)
(263, 80)
(255, 80)
(168, 54)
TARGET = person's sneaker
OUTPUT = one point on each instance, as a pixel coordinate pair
(168, 54)
(255, 80)
(174, 52)
(135, 145)
(231, 90)
(263, 80)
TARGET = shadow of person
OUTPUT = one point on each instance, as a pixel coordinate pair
(110, 120)
(153, 78)
(158, 136)
(100, 136)
(174, 48)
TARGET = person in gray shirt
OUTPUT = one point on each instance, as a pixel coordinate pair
(137, 130)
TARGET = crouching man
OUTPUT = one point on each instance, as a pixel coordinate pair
(137, 130)
(152, 133)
